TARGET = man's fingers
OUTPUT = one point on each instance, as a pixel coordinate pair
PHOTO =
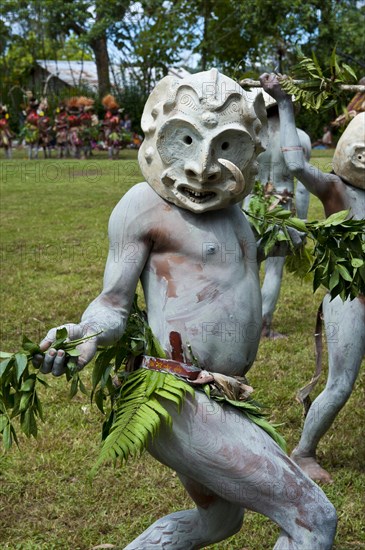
(48, 361)
(37, 360)
(55, 361)
(74, 332)
(88, 350)
(47, 341)
(45, 344)
(264, 78)
(59, 367)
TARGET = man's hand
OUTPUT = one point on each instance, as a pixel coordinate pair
(271, 85)
(54, 361)
(281, 248)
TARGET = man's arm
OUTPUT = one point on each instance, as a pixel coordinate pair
(281, 248)
(314, 180)
(302, 195)
(108, 313)
(128, 252)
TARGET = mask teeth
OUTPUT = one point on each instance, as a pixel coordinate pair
(198, 195)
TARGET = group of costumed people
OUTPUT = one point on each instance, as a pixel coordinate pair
(74, 130)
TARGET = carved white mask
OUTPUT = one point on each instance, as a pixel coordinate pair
(349, 156)
(203, 134)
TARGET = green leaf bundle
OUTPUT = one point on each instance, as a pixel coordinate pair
(19, 384)
(319, 88)
(336, 258)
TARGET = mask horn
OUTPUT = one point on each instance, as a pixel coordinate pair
(236, 173)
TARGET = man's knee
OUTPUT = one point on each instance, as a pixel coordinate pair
(339, 392)
(321, 532)
(327, 523)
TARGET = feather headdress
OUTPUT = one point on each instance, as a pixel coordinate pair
(110, 102)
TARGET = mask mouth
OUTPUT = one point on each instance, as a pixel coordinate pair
(199, 197)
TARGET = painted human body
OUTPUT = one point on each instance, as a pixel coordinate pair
(184, 236)
(31, 129)
(61, 128)
(344, 321)
(6, 135)
(44, 129)
(111, 124)
(277, 180)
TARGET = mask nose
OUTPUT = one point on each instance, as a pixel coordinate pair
(205, 170)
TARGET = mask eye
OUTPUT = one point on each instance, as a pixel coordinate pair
(188, 140)
(225, 146)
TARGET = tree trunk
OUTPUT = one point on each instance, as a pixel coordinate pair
(100, 49)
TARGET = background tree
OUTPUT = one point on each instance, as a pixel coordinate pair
(153, 36)
(259, 32)
(43, 27)
(95, 23)
(247, 37)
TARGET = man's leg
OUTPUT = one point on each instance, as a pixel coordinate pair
(345, 330)
(270, 293)
(227, 464)
(213, 520)
(302, 198)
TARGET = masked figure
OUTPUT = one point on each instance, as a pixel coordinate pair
(342, 189)
(183, 234)
(278, 183)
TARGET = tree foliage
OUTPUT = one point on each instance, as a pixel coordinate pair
(44, 29)
(240, 37)
(268, 33)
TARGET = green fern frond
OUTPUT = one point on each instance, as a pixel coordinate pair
(138, 413)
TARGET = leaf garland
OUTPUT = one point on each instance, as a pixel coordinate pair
(337, 258)
(339, 254)
(319, 88)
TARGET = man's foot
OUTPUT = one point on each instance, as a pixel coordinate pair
(310, 466)
(269, 333)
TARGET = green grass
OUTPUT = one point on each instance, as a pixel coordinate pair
(54, 217)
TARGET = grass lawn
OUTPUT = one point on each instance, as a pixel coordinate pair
(54, 217)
